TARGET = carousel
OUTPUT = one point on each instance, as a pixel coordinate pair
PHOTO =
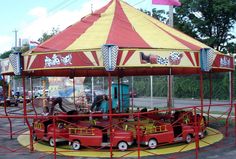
(117, 41)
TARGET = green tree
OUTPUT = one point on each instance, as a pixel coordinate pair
(5, 54)
(161, 15)
(24, 48)
(231, 47)
(209, 21)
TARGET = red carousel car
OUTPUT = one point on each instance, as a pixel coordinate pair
(182, 129)
(44, 129)
(98, 136)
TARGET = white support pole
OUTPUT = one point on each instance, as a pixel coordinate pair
(171, 15)
(132, 85)
(151, 79)
(170, 77)
(92, 89)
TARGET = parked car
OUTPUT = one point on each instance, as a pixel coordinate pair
(98, 136)
(132, 94)
(19, 95)
(9, 101)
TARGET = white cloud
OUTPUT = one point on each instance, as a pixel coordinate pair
(38, 12)
(44, 21)
(6, 43)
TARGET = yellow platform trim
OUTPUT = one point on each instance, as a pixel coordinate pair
(212, 137)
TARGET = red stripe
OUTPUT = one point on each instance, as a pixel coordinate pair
(84, 60)
(130, 53)
(70, 34)
(196, 54)
(120, 53)
(184, 42)
(122, 33)
(78, 59)
(95, 57)
(190, 57)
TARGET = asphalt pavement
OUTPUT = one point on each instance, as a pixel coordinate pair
(158, 102)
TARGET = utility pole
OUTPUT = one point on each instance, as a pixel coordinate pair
(91, 6)
(15, 31)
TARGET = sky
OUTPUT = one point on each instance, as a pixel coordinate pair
(33, 18)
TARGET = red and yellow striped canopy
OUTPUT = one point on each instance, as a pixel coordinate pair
(146, 47)
(120, 24)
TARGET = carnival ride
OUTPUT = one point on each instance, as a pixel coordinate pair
(116, 41)
(81, 133)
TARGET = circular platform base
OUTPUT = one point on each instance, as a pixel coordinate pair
(212, 137)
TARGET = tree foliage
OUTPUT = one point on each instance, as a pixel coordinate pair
(5, 54)
(47, 36)
(210, 21)
(161, 15)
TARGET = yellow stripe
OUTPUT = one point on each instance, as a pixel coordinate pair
(124, 54)
(153, 35)
(194, 58)
(31, 60)
(26, 58)
(91, 58)
(97, 34)
(177, 33)
(100, 58)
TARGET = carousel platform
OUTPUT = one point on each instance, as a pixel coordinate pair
(213, 136)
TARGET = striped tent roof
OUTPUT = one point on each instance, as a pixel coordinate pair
(120, 24)
(146, 47)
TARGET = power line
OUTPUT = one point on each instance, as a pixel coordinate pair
(58, 5)
(62, 5)
(139, 2)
